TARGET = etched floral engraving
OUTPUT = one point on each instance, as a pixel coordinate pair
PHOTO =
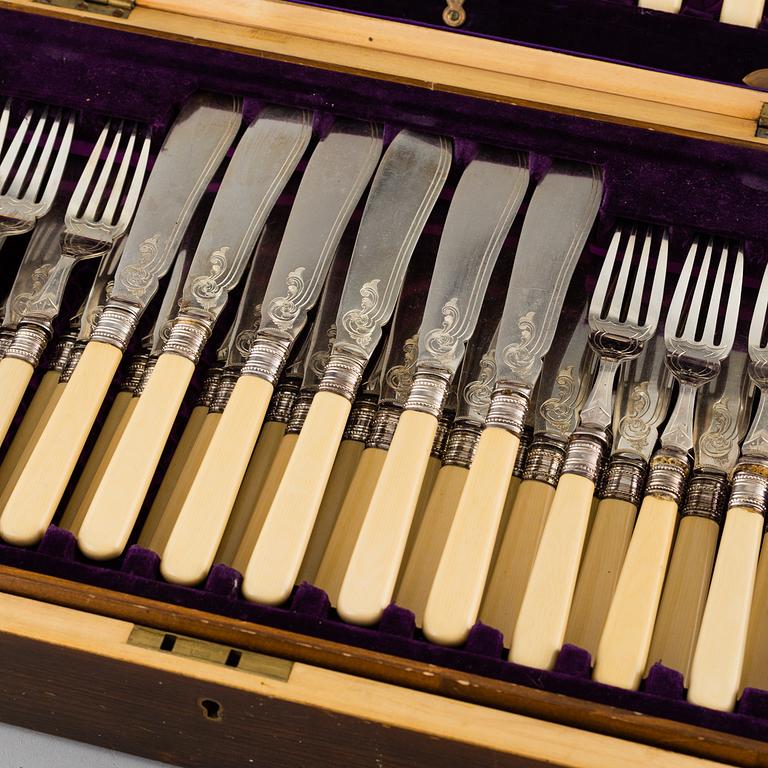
(441, 342)
(718, 440)
(358, 323)
(283, 310)
(559, 410)
(136, 278)
(207, 289)
(477, 394)
(38, 280)
(318, 360)
(635, 425)
(400, 377)
(518, 355)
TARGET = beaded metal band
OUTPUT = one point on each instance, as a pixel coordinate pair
(384, 426)
(584, 455)
(299, 412)
(29, 343)
(441, 436)
(72, 361)
(427, 394)
(544, 462)
(6, 337)
(225, 383)
(116, 325)
(461, 444)
(343, 374)
(282, 402)
(266, 359)
(750, 486)
(360, 420)
(508, 408)
(707, 496)
(187, 338)
(624, 478)
(62, 353)
(522, 452)
(667, 475)
(209, 389)
(131, 379)
(145, 377)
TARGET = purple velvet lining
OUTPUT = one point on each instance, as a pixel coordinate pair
(656, 177)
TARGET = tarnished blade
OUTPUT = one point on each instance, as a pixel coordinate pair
(161, 328)
(190, 155)
(404, 190)
(264, 160)
(100, 292)
(557, 223)
(482, 210)
(478, 375)
(333, 182)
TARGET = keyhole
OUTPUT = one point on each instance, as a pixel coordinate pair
(212, 710)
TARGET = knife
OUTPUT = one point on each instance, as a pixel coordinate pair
(408, 182)
(642, 402)
(559, 218)
(565, 379)
(333, 182)
(263, 161)
(722, 417)
(191, 152)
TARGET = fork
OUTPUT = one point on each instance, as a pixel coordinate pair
(695, 350)
(99, 212)
(619, 327)
(716, 669)
(29, 179)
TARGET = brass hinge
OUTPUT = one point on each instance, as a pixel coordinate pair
(120, 9)
(212, 653)
(454, 14)
(762, 123)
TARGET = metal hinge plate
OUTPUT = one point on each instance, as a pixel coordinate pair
(762, 123)
(212, 653)
(120, 9)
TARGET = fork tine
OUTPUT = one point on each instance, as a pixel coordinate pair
(21, 173)
(106, 171)
(714, 302)
(678, 297)
(86, 176)
(758, 316)
(42, 164)
(57, 170)
(694, 310)
(620, 290)
(137, 182)
(117, 187)
(633, 316)
(659, 280)
(604, 278)
(13, 150)
(5, 117)
(734, 303)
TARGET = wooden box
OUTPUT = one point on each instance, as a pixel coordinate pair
(110, 655)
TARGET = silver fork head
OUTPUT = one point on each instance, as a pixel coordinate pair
(32, 165)
(109, 187)
(618, 308)
(702, 318)
(757, 344)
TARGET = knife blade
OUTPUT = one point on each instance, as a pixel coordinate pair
(559, 218)
(192, 151)
(403, 192)
(333, 182)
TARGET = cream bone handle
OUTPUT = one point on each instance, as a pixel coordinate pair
(15, 375)
(718, 661)
(626, 638)
(40, 486)
(112, 514)
(744, 13)
(195, 538)
(755, 671)
(276, 558)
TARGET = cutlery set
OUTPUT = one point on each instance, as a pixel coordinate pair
(365, 423)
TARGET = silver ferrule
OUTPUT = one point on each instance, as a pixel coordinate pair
(428, 392)
(187, 338)
(299, 412)
(211, 382)
(62, 353)
(6, 337)
(508, 408)
(585, 453)
(343, 374)
(116, 325)
(360, 420)
(522, 452)
(267, 359)
(668, 475)
(624, 478)
(282, 402)
(544, 461)
(707, 495)
(461, 444)
(131, 378)
(384, 426)
(72, 361)
(441, 436)
(145, 376)
(225, 385)
(29, 343)
(749, 488)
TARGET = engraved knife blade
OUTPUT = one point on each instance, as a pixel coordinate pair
(101, 290)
